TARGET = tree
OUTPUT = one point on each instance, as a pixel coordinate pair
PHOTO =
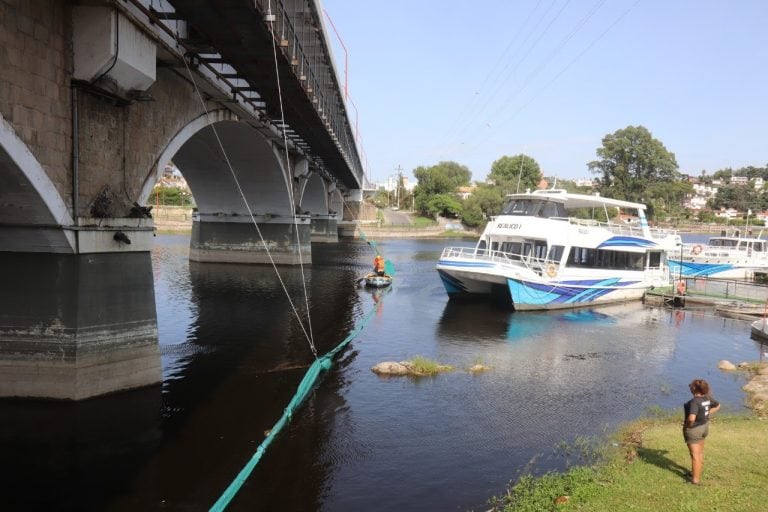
(515, 173)
(630, 161)
(446, 205)
(485, 202)
(442, 178)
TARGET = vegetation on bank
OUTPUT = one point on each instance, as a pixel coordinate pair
(644, 467)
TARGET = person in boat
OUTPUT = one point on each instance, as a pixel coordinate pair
(696, 424)
(378, 265)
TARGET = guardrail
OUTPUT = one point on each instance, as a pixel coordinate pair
(538, 265)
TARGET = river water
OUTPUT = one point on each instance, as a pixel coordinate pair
(233, 352)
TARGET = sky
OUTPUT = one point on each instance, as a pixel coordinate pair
(435, 80)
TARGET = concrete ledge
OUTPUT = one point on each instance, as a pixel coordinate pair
(221, 242)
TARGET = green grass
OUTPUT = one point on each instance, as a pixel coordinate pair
(423, 222)
(641, 468)
(423, 366)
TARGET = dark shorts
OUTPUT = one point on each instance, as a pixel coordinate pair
(695, 434)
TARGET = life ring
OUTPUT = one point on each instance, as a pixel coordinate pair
(681, 287)
(551, 270)
(696, 249)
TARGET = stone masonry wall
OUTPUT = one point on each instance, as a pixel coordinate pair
(35, 66)
(120, 145)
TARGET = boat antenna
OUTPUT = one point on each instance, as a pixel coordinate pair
(522, 157)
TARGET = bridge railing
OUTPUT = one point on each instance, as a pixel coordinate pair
(312, 63)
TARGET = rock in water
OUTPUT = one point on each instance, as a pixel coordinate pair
(391, 368)
(726, 365)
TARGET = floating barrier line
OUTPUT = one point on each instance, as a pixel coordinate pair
(306, 385)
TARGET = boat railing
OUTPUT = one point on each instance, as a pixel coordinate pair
(699, 249)
(529, 261)
(622, 229)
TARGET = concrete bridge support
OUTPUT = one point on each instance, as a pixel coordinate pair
(230, 239)
(76, 326)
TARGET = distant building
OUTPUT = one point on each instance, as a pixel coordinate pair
(739, 180)
(465, 192)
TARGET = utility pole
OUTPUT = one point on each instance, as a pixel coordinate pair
(399, 170)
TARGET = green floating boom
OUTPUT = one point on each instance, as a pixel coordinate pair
(322, 364)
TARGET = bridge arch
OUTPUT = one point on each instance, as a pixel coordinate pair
(256, 164)
(176, 142)
(28, 197)
(314, 196)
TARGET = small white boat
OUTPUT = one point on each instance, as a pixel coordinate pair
(378, 281)
(724, 257)
(538, 255)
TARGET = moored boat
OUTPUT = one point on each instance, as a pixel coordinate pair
(378, 281)
(538, 255)
(723, 257)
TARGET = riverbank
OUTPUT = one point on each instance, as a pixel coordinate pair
(644, 467)
(172, 219)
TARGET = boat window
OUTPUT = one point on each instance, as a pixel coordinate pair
(512, 249)
(480, 250)
(494, 246)
(552, 209)
(758, 247)
(540, 249)
(654, 259)
(599, 258)
(556, 253)
(743, 245)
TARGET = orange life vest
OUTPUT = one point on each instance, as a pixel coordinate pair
(378, 263)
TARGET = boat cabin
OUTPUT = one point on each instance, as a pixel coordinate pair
(740, 244)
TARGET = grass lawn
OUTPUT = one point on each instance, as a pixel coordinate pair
(643, 468)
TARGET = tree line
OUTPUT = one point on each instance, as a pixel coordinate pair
(632, 165)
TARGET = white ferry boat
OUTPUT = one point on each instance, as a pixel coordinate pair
(538, 255)
(724, 257)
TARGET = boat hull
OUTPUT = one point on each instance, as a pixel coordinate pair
(376, 281)
(532, 292)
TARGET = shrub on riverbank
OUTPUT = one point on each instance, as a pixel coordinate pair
(643, 468)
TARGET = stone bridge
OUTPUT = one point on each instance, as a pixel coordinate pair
(96, 98)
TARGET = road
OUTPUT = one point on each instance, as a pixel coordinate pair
(392, 217)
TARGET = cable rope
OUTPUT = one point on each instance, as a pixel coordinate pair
(529, 79)
(562, 71)
(470, 106)
(320, 364)
(290, 188)
(504, 74)
(248, 207)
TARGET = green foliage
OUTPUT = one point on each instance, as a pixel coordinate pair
(741, 197)
(515, 173)
(440, 179)
(423, 366)
(446, 205)
(171, 196)
(631, 162)
(486, 201)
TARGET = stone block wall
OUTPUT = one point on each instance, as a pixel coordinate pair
(35, 66)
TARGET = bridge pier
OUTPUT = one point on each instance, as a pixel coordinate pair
(234, 239)
(324, 228)
(74, 326)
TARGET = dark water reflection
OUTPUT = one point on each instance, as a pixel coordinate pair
(233, 353)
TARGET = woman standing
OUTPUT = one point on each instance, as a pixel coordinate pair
(696, 424)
